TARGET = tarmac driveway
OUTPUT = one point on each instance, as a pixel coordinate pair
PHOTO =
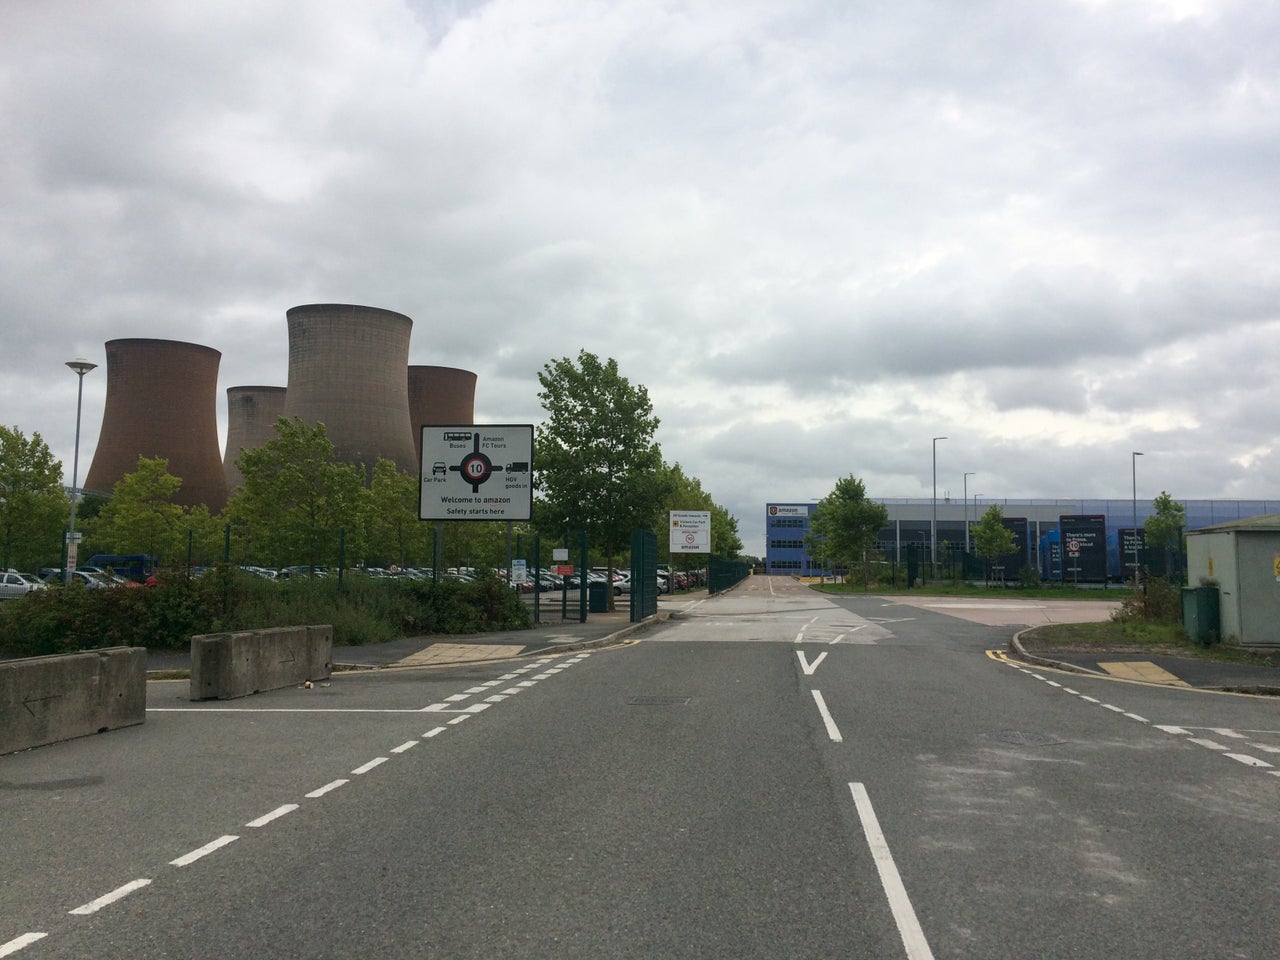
(1001, 613)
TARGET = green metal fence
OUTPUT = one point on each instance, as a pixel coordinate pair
(723, 574)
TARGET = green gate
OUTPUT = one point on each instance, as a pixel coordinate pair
(644, 575)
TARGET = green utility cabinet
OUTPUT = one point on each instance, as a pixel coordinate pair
(1201, 615)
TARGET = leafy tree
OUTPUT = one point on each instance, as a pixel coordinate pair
(141, 516)
(33, 504)
(475, 543)
(992, 539)
(1164, 528)
(393, 532)
(597, 465)
(295, 498)
(725, 541)
(203, 533)
(844, 524)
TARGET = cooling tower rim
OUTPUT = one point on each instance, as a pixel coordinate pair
(328, 308)
(436, 366)
(260, 388)
(174, 345)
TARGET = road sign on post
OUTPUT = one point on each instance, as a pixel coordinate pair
(690, 531)
(476, 472)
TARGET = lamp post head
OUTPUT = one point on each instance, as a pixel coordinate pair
(80, 366)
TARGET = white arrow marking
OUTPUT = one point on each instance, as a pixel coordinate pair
(808, 667)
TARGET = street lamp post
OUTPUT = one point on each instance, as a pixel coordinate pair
(1134, 461)
(81, 367)
(966, 510)
(933, 522)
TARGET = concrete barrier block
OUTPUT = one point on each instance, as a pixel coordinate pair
(225, 666)
(48, 699)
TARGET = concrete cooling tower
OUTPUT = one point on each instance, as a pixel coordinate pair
(162, 402)
(440, 395)
(252, 413)
(347, 370)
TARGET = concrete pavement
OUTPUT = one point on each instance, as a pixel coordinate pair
(601, 629)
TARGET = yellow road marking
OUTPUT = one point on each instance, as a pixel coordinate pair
(453, 652)
(1143, 670)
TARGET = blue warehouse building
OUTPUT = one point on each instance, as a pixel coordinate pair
(1036, 522)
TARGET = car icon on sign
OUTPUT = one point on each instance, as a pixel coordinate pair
(438, 469)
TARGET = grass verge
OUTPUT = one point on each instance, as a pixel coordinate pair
(977, 590)
(1149, 639)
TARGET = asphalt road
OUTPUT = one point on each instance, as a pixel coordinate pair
(769, 774)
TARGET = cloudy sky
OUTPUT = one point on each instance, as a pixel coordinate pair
(820, 232)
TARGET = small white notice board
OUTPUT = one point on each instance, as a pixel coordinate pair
(690, 531)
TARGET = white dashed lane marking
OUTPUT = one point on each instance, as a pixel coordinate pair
(21, 942)
(1172, 730)
(189, 858)
(93, 906)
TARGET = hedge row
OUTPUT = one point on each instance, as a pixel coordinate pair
(166, 616)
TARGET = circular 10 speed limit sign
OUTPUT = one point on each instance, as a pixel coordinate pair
(476, 467)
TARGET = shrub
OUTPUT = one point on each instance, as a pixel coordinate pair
(1159, 601)
(361, 610)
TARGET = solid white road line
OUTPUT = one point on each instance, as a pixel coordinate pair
(275, 814)
(189, 858)
(93, 906)
(903, 913)
(280, 710)
(366, 767)
(17, 943)
(832, 730)
(332, 785)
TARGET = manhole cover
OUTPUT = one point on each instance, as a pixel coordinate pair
(1023, 739)
(658, 701)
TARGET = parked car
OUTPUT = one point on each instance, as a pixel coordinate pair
(15, 584)
(90, 580)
